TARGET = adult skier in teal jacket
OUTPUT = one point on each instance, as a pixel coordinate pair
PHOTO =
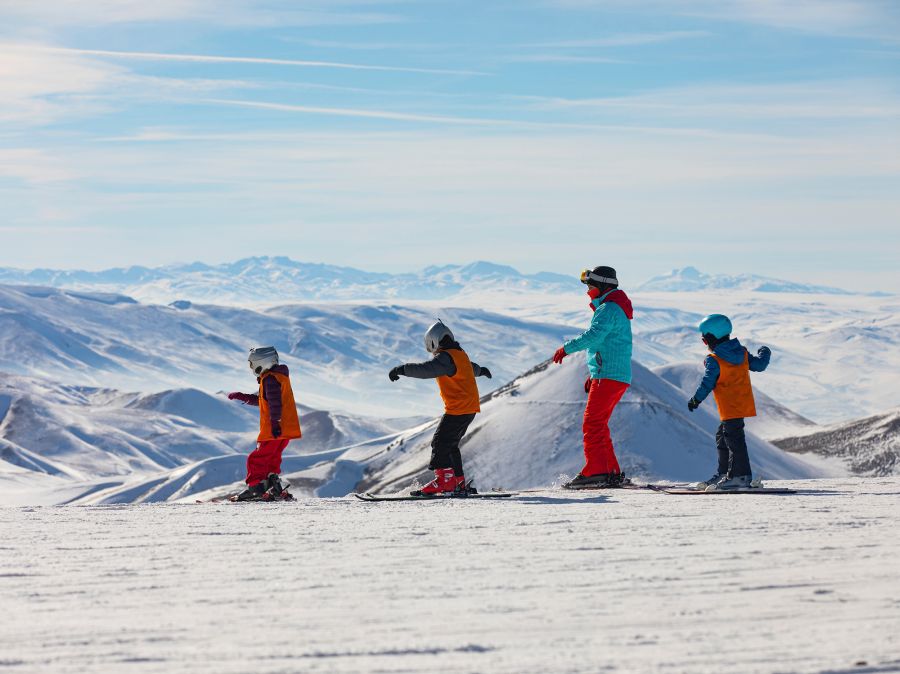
(608, 343)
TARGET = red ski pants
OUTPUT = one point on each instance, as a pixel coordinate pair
(600, 457)
(265, 459)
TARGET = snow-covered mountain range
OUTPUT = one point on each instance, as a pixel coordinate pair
(260, 281)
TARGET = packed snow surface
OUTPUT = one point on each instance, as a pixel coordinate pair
(549, 581)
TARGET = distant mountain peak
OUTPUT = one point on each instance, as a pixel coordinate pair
(692, 279)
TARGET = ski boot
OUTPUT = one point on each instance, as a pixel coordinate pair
(275, 489)
(254, 493)
(736, 482)
(701, 486)
(445, 481)
(598, 481)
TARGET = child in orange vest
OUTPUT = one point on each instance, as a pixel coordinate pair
(278, 425)
(727, 376)
(455, 375)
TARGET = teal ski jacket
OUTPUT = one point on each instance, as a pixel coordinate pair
(608, 340)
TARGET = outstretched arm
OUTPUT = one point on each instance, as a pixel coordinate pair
(246, 398)
(441, 365)
(593, 336)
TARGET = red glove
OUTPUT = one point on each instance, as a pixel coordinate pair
(587, 385)
(559, 355)
(237, 395)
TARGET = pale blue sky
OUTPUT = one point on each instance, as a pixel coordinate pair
(734, 135)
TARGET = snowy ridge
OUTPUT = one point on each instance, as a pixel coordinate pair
(869, 447)
(691, 279)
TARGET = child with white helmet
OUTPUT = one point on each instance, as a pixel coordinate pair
(727, 377)
(278, 425)
(455, 375)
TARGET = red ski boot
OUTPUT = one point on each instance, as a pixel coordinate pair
(445, 481)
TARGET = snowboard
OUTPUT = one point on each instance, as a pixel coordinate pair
(437, 497)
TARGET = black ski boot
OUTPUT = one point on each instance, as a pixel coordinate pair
(599, 481)
(276, 491)
(254, 493)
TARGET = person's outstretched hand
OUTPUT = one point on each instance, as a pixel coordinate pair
(237, 395)
(395, 373)
(559, 355)
(486, 373)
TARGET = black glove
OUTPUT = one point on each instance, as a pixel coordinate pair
(394, 374)
(693, 404)
(764, 352)
(486, 373)
(587, 385)
(276, 429)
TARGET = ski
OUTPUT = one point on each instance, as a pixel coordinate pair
(633, 486)
(751, 490)
(437, 497)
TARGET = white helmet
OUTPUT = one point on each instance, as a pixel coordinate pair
(263, 358)
(434, 336)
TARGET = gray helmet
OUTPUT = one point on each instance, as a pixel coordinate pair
(434, 336)
(263, 358)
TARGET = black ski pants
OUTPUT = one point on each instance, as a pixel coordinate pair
(445, 443)
(731, 442)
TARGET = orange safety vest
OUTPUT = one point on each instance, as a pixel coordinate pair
(733, 391)
(290, 423)
(460, 392)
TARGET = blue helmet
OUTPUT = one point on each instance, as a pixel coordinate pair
(717, 325)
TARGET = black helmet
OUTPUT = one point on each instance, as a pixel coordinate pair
(599, 277)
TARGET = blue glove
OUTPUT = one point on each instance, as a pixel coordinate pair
(764, 352)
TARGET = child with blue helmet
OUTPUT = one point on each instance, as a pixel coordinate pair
(727, 377)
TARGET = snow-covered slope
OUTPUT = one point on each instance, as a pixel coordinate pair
(691, 279)
(868, 446)
(549, 582)
(339, 353)
(266, 280)
(774, 420)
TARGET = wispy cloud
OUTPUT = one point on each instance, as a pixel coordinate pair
(561, 58)
(234, 13)
(878, 19)
(364, 113)
(625, 39)
(205, 58)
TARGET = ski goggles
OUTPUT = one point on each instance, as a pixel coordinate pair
(587, 275)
